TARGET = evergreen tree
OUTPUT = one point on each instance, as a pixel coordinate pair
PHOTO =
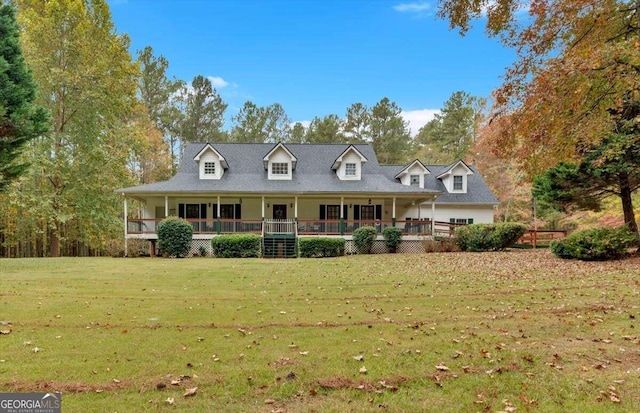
(20, 118)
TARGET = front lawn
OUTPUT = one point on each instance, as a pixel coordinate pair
(453, 332)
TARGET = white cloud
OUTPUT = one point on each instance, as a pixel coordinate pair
(218, 82)
(412, 7)
(418, 118)
(304, 123)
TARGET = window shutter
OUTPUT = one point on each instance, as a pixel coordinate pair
(181, 210)
(378, 211)
(470, 221)
(356, 212)
(345, 211)
(203, 211)
(238, 214)
(452, 220)
(323, 212)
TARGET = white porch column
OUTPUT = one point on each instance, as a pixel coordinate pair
(166, 206)
(263, 207)
(218, 202)
(342, 207)
(295, 209)
(393, 209)
(126, 224)
(433, 216)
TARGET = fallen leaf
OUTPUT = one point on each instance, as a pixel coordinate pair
(363, 370)
(442, 367)
(359, 357)
(170, 400)
(190, 392)
(5, 331)
(269, 401)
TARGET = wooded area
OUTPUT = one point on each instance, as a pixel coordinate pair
(117, 120)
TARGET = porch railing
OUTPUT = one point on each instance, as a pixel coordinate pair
(302, 227)
(279, 226)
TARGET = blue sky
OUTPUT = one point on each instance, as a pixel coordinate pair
(317, 57)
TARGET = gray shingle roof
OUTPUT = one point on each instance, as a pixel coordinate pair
(313, 174)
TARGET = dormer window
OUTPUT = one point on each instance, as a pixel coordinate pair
(280, 168)
(457, 183)
(350, 169)
(413, 174)
(348, 165)
(280, 163)
(209, 168)
(456, 177)
(211, 164)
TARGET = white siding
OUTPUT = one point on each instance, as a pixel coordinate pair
(448, 180)
(280, 156)
(413, 170)
(480, 214)
(350, 157)
(210, 156)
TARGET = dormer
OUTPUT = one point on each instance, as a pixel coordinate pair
(455, 176)
(280, 163)
(348, 165)
(211, 165)
(413, 174)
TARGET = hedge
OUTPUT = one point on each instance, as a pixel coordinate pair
(598, 244)
(321, 247)
(488, 237)
(236, 246)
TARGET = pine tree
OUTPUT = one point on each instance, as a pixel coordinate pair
(20, 119)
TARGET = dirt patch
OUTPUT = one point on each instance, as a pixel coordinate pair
(62, 387)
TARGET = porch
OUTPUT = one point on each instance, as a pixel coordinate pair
(208, 228)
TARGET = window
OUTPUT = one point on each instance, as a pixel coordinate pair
(457, 182)
(461, 221)
(333, 212)
(350, 169)
(280, 168)
(209, 168)
(415, 180)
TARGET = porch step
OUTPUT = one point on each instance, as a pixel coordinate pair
(279, 246)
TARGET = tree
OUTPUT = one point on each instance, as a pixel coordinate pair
(449, 135)
(325, 130)
(260, 124)
(297, 133)
(203, 113)
(159, 96)
(358, 123)
(609, 168)
(390, 134)
(20, 118)
(88, 81)
(577, 61)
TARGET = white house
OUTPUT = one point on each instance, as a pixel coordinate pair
(286, 191)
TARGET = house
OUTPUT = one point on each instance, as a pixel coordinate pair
(286, 191)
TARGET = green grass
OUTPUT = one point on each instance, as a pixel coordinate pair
(518, 329)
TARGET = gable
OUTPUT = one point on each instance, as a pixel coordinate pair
(455, 178)
(348, 165)
(211, 164)
(280, 163)
(413, 174)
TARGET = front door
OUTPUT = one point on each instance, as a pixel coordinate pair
(279, 211)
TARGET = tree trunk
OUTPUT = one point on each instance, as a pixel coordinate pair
(54, 247)
(627, 203)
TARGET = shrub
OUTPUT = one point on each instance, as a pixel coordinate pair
(441, 244)
(488, 237)
(174, 237)
(321, 247)
(203, 251)
(363, 239)
(392, 238)
(236, 246)
(597, 244)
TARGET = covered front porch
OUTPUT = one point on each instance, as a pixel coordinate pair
(297, 215)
